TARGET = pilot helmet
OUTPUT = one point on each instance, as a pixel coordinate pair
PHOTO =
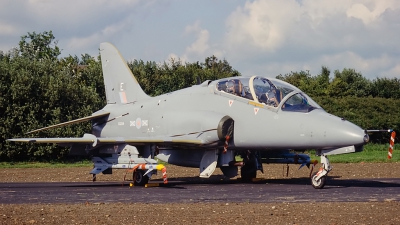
(230, 86)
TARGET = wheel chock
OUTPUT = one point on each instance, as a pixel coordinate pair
(152, 185)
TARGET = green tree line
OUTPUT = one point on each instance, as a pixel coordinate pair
(39, 88)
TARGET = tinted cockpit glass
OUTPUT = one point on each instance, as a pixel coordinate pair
(283, 87)
(238, 87)
(266, 92)
(299, 103)
(261, 87)
(271, 91)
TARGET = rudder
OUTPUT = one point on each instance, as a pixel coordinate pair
(120, 85)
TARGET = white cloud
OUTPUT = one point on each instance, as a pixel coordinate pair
(268, 24)
(262, 24)
(69, 14)
(265, 37)
(176, 58)
(100, 36)
(200, 46)
(369, 14)
(360, 11)
(198, 49)
(392, 72)
(379, 66)
(79, 9)
(7, 29)
(309, 34)
(78, 20)
(352, 60)
(194, 28)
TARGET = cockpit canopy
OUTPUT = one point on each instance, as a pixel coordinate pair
(271, 92)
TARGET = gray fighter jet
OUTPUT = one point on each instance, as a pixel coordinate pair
(263, 120)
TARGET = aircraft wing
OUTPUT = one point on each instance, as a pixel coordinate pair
(94, 141)
(86, 139)
(53, 140)
(84, 119)
(145, 140)
(203, 138)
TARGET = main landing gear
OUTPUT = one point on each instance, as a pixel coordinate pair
(248, 172)
(251, 163)
(318, 179)
(139, 178)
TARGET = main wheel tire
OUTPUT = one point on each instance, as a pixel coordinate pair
(248, 173)
(318, 184)
(139, 179)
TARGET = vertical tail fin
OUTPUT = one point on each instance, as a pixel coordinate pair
(120, 84)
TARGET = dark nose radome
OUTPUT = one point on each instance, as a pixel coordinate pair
(366, 138)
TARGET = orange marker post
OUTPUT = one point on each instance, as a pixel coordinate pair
(164, 172)
(390, 153)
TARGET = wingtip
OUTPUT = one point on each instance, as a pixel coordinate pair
(21, 140)
(12, 139)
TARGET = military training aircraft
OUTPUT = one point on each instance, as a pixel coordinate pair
(263, 120)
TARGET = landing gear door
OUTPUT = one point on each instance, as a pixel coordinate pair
(208, 163)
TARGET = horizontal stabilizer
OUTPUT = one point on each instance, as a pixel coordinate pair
(84, 119)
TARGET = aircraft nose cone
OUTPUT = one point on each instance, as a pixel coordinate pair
(366, 138)
(350, 134)
(338, 131)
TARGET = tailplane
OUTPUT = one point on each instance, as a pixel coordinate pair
(120, 84)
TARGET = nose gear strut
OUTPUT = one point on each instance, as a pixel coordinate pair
(318, 179)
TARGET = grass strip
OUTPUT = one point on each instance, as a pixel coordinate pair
(371, 153)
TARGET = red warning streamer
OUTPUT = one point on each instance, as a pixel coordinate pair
(164, 174)
(227, 137)
(390, 153)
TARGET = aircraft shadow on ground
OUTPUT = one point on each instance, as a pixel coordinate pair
(184, 182)
(332, 182)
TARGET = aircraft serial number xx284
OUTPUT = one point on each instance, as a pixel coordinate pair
(205, 126)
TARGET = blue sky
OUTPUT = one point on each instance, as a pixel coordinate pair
(262, 37)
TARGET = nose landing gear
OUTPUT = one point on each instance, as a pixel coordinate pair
(318, 179)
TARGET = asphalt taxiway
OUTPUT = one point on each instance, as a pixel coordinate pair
(178, 191)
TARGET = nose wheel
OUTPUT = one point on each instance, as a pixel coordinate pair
(318, 183)
(318, 179)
